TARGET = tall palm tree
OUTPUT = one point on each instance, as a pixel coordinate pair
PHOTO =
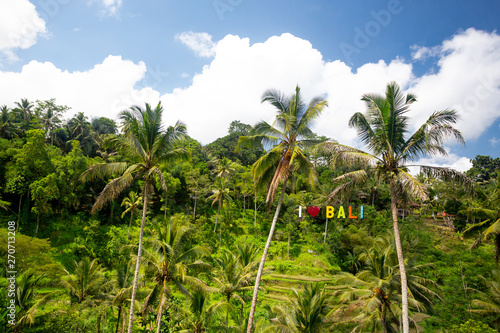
(145, 144)
(170, 262)
(220, 195)
(383, 129)
(289, 134)
(131, 203)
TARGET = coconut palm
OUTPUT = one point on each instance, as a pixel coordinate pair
(289, 135)
(170, 263)
(122, 285)
(371, 297)
(199, 315)
(383, 129)
(307, 313)
(7, 129)
(26, 303)
(145, 144)
(490, 304)
(224, 167)
(489, 228)
(220, 195)
(87, 281)
(24, 110)
(231, 278)
(131, 203)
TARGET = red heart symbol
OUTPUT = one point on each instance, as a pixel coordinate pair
(313, 210)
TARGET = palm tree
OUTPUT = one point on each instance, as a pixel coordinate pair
(199, 314)
(487, 228)
(220, 195)
(371, 297)
(132, 202)
(27, 305)
(231, 278)
(490, 304)
(289, 134)
(383, 129)
(86, 282)
(24, 110)
(306, 314)
(145, 144)
(170, 263)
(6, 127)
(224, 167)
(123, 289)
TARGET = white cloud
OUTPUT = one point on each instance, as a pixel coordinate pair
(108, 7)
(450, 161)
(423, 52)
(468, 80)
(199, 42)
(20, 26)
(494, 141)
(230, 87)
(103, 90)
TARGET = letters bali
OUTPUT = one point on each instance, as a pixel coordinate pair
(330, 212)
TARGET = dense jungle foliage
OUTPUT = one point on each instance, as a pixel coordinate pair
(78, 191)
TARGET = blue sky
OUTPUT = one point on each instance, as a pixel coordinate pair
(208, 61)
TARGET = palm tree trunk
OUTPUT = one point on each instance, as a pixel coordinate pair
(255, 214)
(382, 319)
(217, 217)
(399, 250)
(130, 223)
(263, 260)
(194, 211)
(326, 230)
(138, 263)
(37, 223)
(162, 304)
(227, 311)
(288, 247)
(118, 319)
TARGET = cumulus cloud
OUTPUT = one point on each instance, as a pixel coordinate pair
(450, 161)
(467, 78)
(230, 87)
(494, 141)
(20, 27)
(199, 42)
(108, 7)
(103, 90)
